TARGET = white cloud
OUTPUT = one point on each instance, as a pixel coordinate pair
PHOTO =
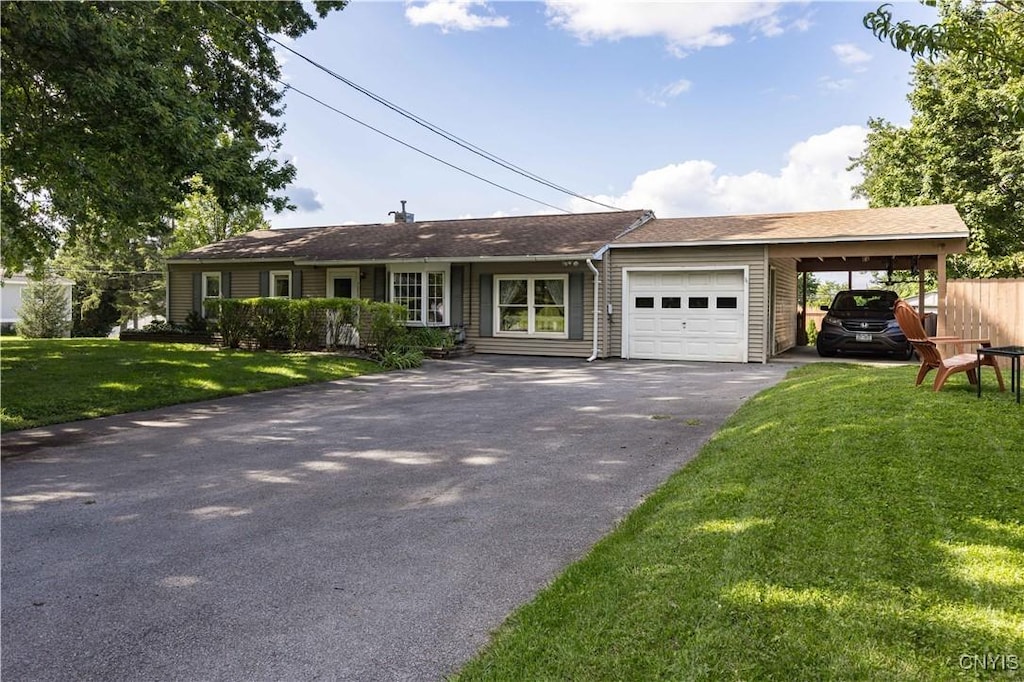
(814, 177)
(454, 15)
(851, 55)
(835, 84)
(686, 26)
(661, 96)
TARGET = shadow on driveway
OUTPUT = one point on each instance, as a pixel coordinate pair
(372, 528)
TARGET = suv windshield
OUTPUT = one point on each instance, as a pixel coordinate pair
(875, 301)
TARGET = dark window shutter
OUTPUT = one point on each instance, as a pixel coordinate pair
(197, 292)
(380, 283)
(576, 306)
(225, 285)
(455, 318)
(486, 305)
(296, 284)
(264, 283)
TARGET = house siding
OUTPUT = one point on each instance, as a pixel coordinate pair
(526, 346)
(245, 282)
(786, 309)
(753, 257)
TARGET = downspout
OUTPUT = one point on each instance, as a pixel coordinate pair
(597, 306)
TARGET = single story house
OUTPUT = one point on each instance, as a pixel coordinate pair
(11, 289)
(598, 285)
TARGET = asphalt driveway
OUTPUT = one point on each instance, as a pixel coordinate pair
(374, 528)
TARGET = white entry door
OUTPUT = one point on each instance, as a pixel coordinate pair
(686, 315)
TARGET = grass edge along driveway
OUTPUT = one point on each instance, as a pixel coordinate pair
(841, 525)
(50, 381)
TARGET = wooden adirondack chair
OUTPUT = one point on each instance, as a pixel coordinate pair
(927, 349)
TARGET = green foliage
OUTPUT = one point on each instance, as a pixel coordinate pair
(313, 323)
(400, 358)
(200, 220)
(196, 323)
(113, 283)
(108, 108)
(387, 327)
(269, 321)
(431, 337)
(965, 146)
(812, 333)
(44, 310)
(970, 29)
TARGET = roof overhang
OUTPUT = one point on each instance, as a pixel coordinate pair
(551, 258)
(798, 241)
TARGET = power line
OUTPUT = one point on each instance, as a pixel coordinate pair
(451, 137)
(417, 149)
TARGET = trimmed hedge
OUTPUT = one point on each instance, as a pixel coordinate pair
(310, 323)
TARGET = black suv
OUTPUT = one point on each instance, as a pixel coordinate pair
(862, 320)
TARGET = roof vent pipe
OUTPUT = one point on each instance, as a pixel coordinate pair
(402, 216)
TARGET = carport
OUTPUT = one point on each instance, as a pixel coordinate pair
(883, 244)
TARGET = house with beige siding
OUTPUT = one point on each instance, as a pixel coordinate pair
(597, 285)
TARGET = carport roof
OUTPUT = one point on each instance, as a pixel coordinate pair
(870, 224)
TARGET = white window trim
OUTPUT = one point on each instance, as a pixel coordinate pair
(424, 269)
(352, 273)
(530, 306)
(273, 276)
(220, 288)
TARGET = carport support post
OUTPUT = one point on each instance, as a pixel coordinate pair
(920, 292)
(940, 267)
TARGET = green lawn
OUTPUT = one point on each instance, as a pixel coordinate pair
(842, 525)
(48, 381)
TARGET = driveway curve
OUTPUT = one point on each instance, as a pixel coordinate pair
(376, 528)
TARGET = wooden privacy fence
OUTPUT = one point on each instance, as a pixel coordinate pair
(985, 308)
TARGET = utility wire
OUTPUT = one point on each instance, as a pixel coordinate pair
(451, 137)
(417, 149)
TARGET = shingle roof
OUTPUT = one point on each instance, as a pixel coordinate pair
(540, 235)
(907, 222)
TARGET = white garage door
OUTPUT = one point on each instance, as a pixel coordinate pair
(687, 315)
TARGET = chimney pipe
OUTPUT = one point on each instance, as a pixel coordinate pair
(402, 216)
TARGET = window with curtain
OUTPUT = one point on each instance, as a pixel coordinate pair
(531, 305)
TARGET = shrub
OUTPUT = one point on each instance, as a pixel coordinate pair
(44, 311)
(387, 327)
(812, 333)
(195, 323)
(431, 337)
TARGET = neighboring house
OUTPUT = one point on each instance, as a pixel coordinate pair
(10, 298)
(622, 284)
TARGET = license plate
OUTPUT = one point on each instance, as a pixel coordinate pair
(862, 336)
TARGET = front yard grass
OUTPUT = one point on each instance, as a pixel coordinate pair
(48, 381)
(842, 525)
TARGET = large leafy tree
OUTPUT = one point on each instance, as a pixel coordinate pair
(200, 220)
(965, 141)
(107, 109)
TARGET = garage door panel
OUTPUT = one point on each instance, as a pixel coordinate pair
(644, 323)
(683, 315)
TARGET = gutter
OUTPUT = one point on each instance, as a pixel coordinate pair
(597, 291)
(786, 241)
(299, 261)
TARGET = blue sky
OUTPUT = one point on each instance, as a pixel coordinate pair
(681, 107)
